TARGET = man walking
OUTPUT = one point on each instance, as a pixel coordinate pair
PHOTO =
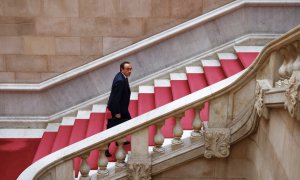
(119, 98)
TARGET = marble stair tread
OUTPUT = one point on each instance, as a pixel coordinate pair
(68, 121)
(83, 114)
(146, 89)
(178, 76)
(247, 54)
(213, 71)
(99, 108)
(230, 63)
(194, 69)
(162, 83)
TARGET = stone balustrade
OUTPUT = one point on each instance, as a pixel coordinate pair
(155, 117)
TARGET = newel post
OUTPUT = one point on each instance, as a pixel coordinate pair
(139, 160)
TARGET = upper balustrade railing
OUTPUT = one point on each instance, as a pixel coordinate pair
(287, 47)
(144, 44)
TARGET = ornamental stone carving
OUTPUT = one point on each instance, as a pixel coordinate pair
(139, 169)
(292, 96)
(217, 142)
(261, 109)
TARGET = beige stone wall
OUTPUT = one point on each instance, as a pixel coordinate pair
(271, 153)
(237, 166)
(275, 147)
(43, 38)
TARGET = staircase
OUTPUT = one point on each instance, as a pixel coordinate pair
(148, 97)
(74, 142)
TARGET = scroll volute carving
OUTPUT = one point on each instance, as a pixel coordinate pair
(291, 61)
(261, 87)
(296, 65)
(292, 103)
(217, 142)
(139, 171)
(284, 68)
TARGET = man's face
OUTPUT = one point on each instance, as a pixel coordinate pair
(127, 70)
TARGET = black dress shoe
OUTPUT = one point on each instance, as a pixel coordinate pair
(125, 143)
(107, 154)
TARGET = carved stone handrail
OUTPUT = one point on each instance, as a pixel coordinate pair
(157, 116)
(127, 128)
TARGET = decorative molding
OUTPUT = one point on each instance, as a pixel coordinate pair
(282, 83)
(292, 96)
(139, 169)
(146, 43)
(217, 142)
(261, 109)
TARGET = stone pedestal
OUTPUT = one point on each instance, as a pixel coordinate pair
(139, 160)
(139, 168)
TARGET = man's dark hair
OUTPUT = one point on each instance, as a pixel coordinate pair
(123, 64)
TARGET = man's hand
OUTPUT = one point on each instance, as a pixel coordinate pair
(118, 116)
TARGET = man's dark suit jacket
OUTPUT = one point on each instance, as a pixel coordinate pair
(119, 97)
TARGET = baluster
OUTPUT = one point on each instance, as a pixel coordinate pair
(159, 139)
(197, 123)
(283, 68)
(290, 61)
(177, 130)
(293, 57)
(84, 167)
(121, 154)
(296, 65)
(102, 162)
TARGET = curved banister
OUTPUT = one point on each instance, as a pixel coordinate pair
(143, 44)
(178, 106)
(128, 127)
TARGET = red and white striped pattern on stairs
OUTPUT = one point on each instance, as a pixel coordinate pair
(246, 54)
(148, 97)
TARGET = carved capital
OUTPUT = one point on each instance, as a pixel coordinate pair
(217, 142)
(139, 169)
(292, 97)
(261, 109)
